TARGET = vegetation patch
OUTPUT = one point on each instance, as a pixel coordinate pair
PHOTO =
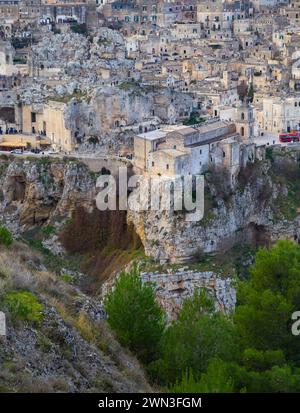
(23, 306)
(6, 237)
(139, 326)
(128, 85)
(48, 230)
(204, 350)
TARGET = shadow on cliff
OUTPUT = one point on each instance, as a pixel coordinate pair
(104, 241)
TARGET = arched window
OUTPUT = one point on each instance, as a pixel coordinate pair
(243, 116)
(242, 131)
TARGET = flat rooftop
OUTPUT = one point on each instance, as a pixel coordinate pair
(161, 133)
(212, 126)
(153, 135)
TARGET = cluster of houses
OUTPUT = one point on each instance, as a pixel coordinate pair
(180, 85)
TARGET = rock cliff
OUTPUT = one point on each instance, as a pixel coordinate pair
(37, 191)
(172, 288)
(262, 207)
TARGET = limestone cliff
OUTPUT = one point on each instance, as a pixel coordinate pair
(37, 191)
(111, 115)
(261, 208)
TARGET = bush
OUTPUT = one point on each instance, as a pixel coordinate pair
(5, 236)
(267, 300)
(20, 43)
(269, 154)
(215, 380)
(23, 305)
(79, 28)
(198, 335)
(56, 30)
(48, 230)
(134, 315)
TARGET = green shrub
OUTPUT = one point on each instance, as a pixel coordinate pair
(135, 316)
(48, 230)
(215, 380)
(269, 154)
(67, 278)
(6, 237)
(79, 28)
(56, 30)
(199, 334)
(23, 305)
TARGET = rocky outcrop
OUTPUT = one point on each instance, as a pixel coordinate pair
(172, 288)
(112, 114)
(37, 191)
(41, 193)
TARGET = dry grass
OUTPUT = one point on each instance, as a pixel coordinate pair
(22, 269)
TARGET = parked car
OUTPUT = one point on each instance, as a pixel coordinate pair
(17, 151)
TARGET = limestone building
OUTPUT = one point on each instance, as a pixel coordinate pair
(186, 150)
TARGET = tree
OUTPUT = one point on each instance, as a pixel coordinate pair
(135, 316)
(250, 92)
(79, 28)
(190, 342)
(269, 360)
(215, 380)
(267, 301)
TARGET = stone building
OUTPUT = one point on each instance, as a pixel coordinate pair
(64, 11)
(243, 117)
(292, 11)
(49, 121)
(281, 113)
(9, 11)
(183, 150)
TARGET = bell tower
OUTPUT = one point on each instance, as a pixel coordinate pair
(245, 122)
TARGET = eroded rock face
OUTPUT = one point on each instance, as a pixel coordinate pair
(37, 191)
(250, 215)
(34, 192)
(114, 114)
(173, 288)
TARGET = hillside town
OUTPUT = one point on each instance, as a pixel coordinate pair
(109, 284)
(175, 86)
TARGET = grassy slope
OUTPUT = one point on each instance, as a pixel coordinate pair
(69, 350)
